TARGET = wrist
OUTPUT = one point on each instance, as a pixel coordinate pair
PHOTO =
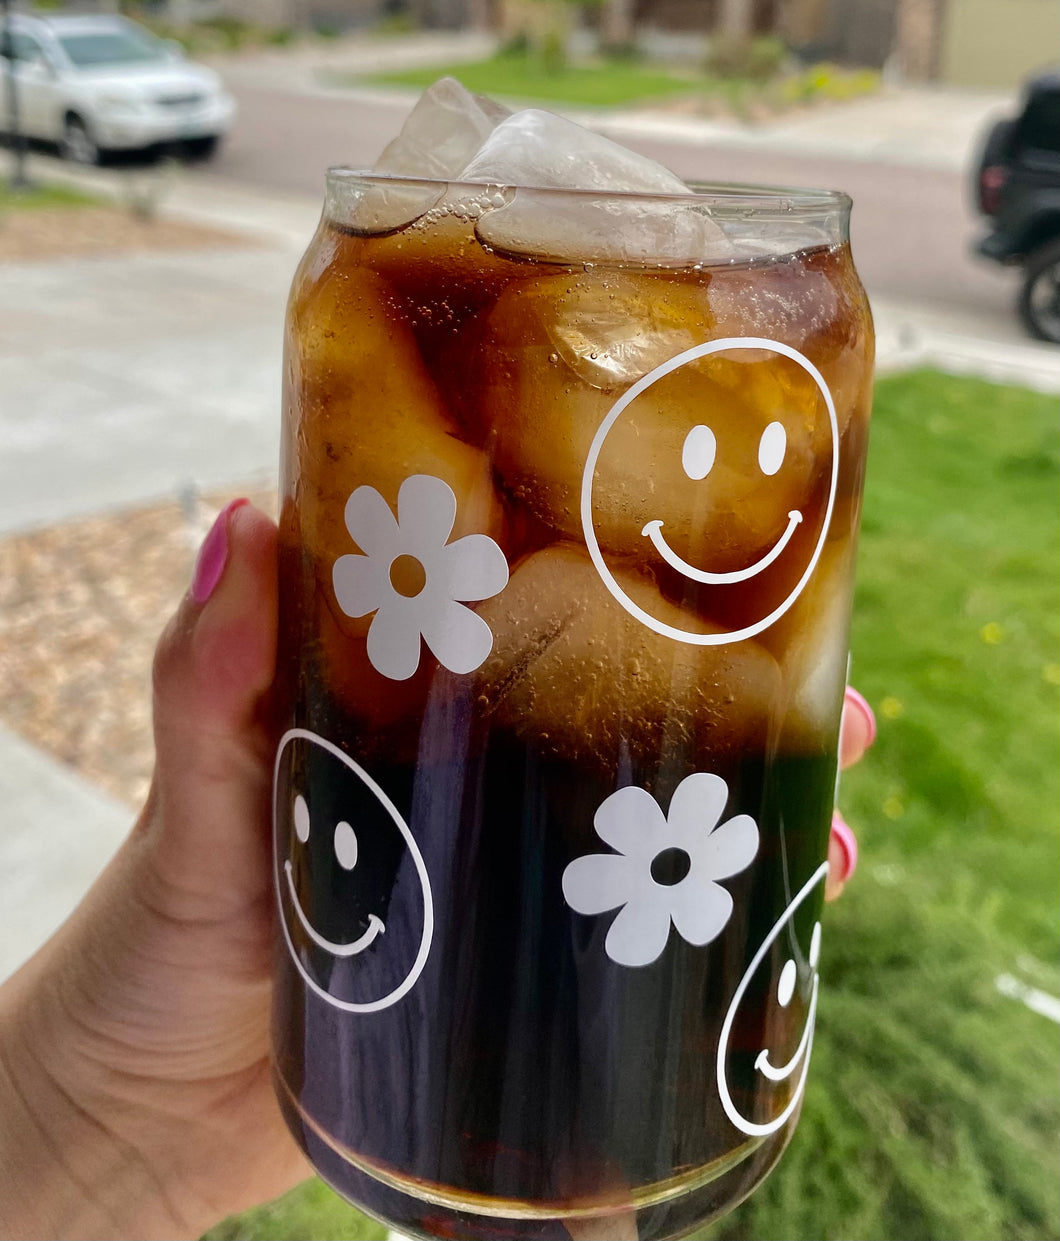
(40, 1195)
(66, 1170)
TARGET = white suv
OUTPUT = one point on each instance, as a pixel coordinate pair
(96, 84)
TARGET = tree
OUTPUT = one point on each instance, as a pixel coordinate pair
(731, 42)
(616, 25)
(916, 39)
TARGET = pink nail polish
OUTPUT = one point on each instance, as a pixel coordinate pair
(853, 699)
(848, 844)
(213, 554)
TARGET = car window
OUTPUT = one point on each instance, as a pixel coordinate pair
(112, 47)
(1040, 123)
(22, 47)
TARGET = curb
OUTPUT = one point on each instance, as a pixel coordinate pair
(912, 337)
(285, 221)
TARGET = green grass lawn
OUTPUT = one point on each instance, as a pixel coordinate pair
(931, 1113)
(44, 194)
(932, 1109)
(518, 76)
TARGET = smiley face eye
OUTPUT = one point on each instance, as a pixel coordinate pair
(345, 845)
(697, 455)
(301, 818)
(771, 448)
(815, 945)
(786, 983)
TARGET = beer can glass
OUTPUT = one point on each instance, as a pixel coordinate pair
(570, 494)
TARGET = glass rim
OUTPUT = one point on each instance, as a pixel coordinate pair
(783, 201)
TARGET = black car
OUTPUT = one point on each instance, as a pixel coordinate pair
(1018, 190)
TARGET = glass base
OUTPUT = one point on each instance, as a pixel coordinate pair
(670, 1208)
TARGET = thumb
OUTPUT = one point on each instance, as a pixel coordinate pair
(213, 673)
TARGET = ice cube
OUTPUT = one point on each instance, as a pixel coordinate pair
(546, 388)
(535, 149)
(365, 412)
(574, 673)
(347, 677)
(810, 644)
(440, 135)
(611, 328)
(813, 303)
(370, 412)
(538, 148)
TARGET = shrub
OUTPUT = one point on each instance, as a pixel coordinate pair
(759, 58)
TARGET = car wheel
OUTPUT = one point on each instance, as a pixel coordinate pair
(78, 145)
(202, 148)
(1039, 299)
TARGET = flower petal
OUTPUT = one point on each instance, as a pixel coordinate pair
(697, 804)
(700, 911)
(360, 584)
(426, 512)
(631, 821)
(470, 568)
(599, 881)
(394, 639)
(639, 932)
(459, 639)
(371, 524)
(728, 849)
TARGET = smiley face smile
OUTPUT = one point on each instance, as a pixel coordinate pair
(653, 531)
(375, 926)
(701, 451)
(757, 1121)
(352, 853)
(762, 1062)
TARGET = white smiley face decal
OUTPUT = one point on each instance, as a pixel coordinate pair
(774, 1088)
(355, 903)
(698, 458)
(346, 849)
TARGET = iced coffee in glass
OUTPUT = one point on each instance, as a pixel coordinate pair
(571, 480)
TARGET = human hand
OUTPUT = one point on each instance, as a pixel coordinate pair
(134, 1053)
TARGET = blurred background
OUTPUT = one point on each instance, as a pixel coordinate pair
(157, 186)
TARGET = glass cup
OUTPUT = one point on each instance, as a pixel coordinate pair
(570, 492)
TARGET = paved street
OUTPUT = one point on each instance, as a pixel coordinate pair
(913, 224)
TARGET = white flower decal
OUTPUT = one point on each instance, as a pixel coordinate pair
(415, 581)
(666, 869)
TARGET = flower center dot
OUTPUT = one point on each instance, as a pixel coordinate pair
(670, 866)
(407, 576)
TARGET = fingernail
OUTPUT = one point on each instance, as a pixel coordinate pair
(853, 699)
(210, 562)
(848, 843)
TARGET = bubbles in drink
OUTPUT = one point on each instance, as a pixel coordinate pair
(573, 674)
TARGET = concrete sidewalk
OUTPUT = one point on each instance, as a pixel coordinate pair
(58, 833)
(123, 380)
(920, 127)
